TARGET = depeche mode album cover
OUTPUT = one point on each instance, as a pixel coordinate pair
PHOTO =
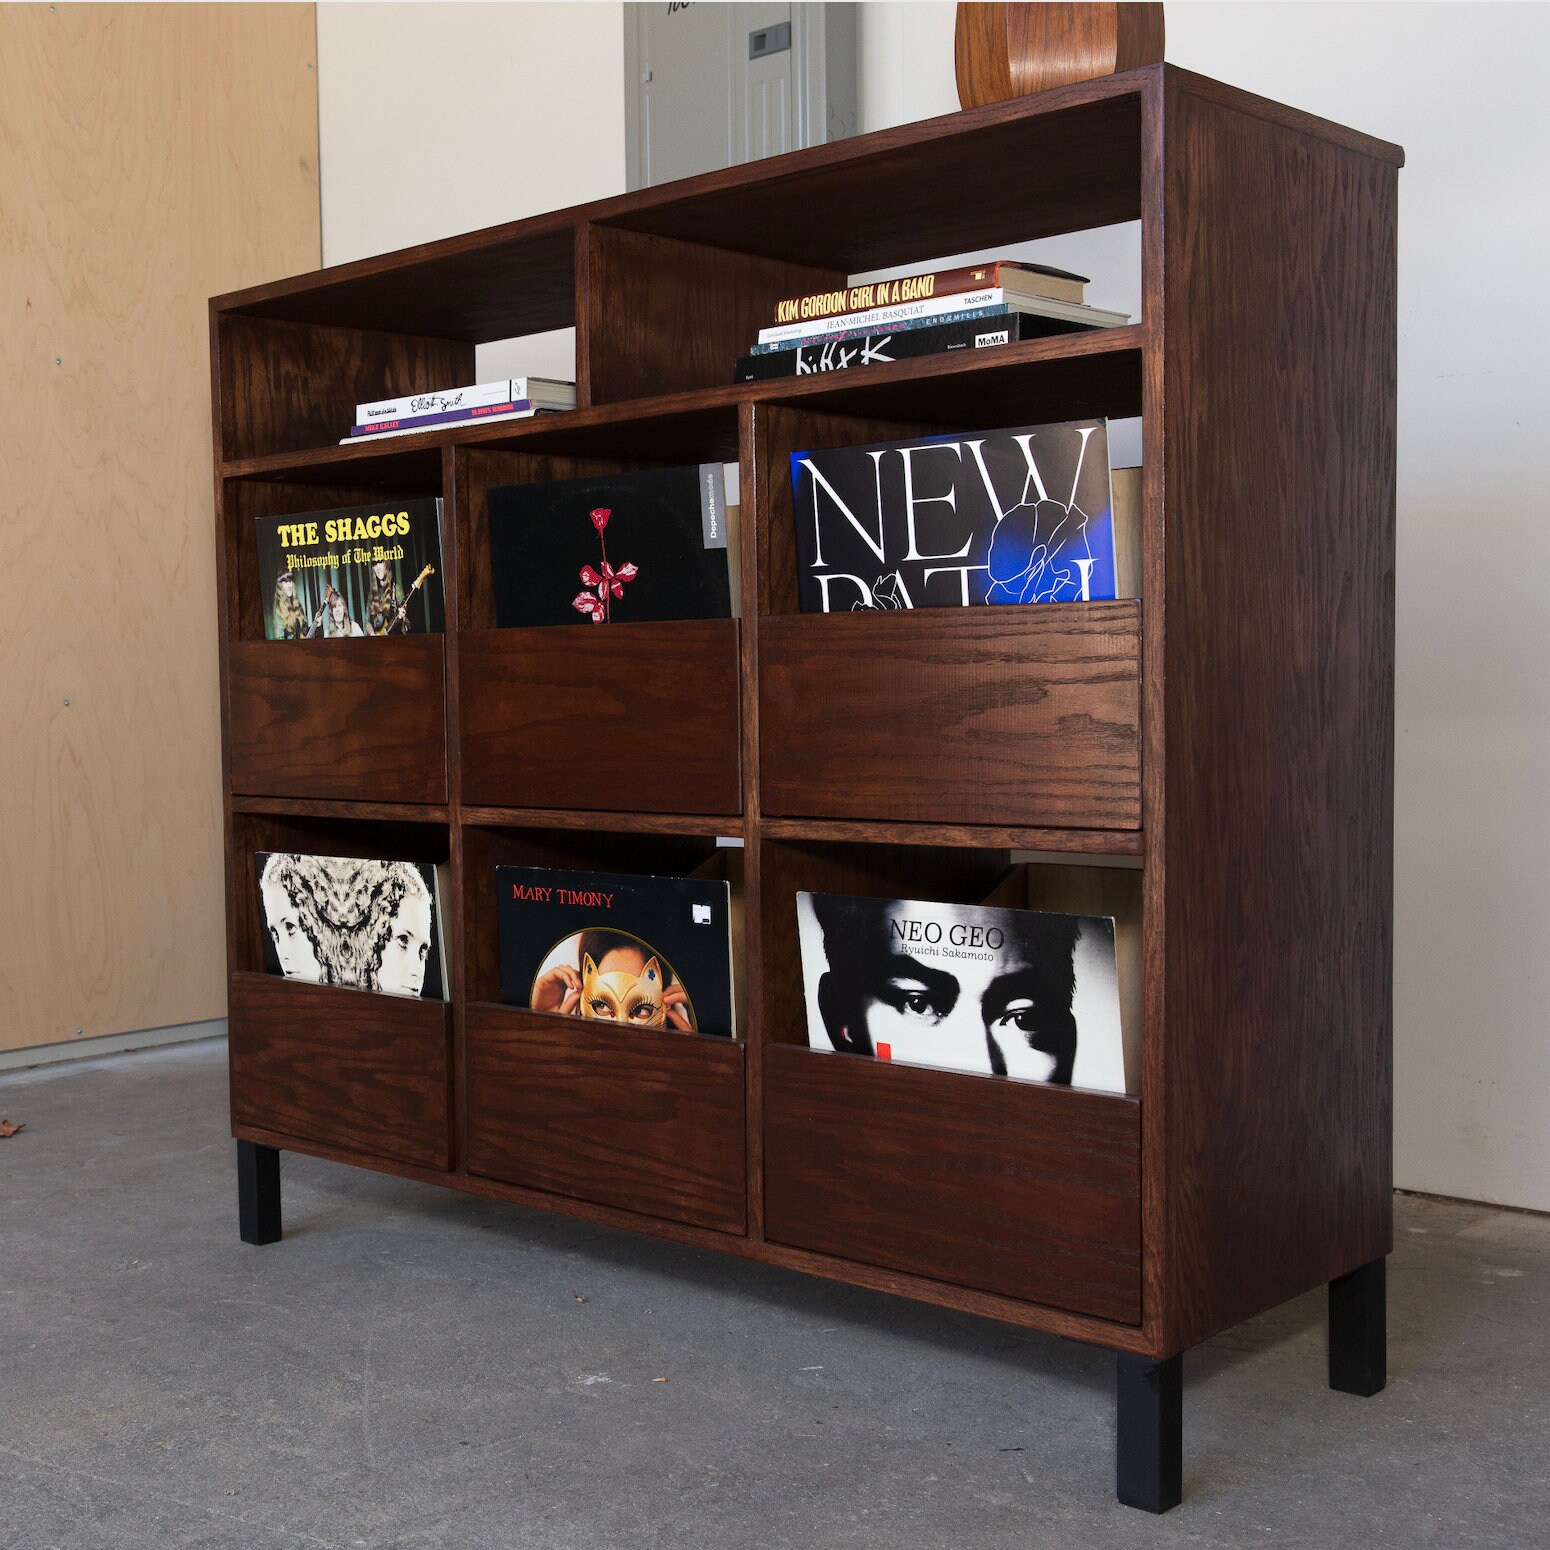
(357, 570)
(366, 925)
(979, 517)
(652, 951)
(1006, 992)
(613, 549)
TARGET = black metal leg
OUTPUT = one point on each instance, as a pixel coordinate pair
(1358, 1330)
(1149, 1442)
(258, 1192)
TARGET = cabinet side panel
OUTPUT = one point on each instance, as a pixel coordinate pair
(1279, 469)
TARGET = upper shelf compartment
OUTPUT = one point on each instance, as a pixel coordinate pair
(667, 286)
(971, 180)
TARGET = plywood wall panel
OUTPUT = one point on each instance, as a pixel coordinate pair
(150, 157)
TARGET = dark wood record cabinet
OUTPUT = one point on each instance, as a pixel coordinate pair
(1227, 736)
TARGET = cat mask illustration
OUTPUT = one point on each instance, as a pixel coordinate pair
(622, 995)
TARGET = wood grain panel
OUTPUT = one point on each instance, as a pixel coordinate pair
(641, 717)
(137, 143)
(286, 387)
(493, 284)
(1033, 1192)
(1279, 380)
(658, 316)
(1003, 51)
(1024, 1315)
(635, 1118)
(1075, 155)
(980, 716)
(353, 720)
(345, 1067)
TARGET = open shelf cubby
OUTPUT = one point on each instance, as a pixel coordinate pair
(1221, 742)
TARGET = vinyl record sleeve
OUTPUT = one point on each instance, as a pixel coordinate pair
(616, 548)
(361, 924)
(1023, 515)
(659, 948)
(1025, 994)
(352, 571)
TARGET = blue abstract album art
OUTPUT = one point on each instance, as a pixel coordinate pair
(970, 519)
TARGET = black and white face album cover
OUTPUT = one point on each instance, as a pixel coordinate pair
(365, 925)
(1025, 994)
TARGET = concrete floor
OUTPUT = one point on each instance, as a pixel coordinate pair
(416, 1368)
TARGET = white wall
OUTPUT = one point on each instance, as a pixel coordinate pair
(442, 118)
(1459, 86)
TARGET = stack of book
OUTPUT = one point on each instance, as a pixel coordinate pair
(515, 398)
(921, 314)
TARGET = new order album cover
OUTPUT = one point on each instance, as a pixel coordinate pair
(354, 571)
(366, 925)
(616, 548)
(981, 517)
(961, 987)
(655, 952)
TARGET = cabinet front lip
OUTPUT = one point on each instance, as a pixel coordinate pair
(499, 1015)
(1082, 1094)
(340, 808)
(1073, 840)
(703, 825)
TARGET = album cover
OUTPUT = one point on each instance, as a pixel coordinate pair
(978, 517)
(366, 925)
(352, 571)
(655, 952)
(1030, 995)
(612, 549)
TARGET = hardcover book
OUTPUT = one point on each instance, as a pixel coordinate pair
(615, 548)
(542, 392)
(1006, 274)
(357, 570)
(1030, 995)
(503, 409)
(974, 518)
(977, 333)
(940, 309)
(364, 925)
(655, 952)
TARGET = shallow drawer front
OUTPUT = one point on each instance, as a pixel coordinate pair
(634, 1117)
(1006, 1187)
(987, 715)
(346, 720)
(634, 717)
(346, 1068)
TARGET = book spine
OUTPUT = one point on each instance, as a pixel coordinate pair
(882, 317)
(877, 349)
(421, 422)
(888, 330)
(412, 405)
(817, 305)
(378, 434)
